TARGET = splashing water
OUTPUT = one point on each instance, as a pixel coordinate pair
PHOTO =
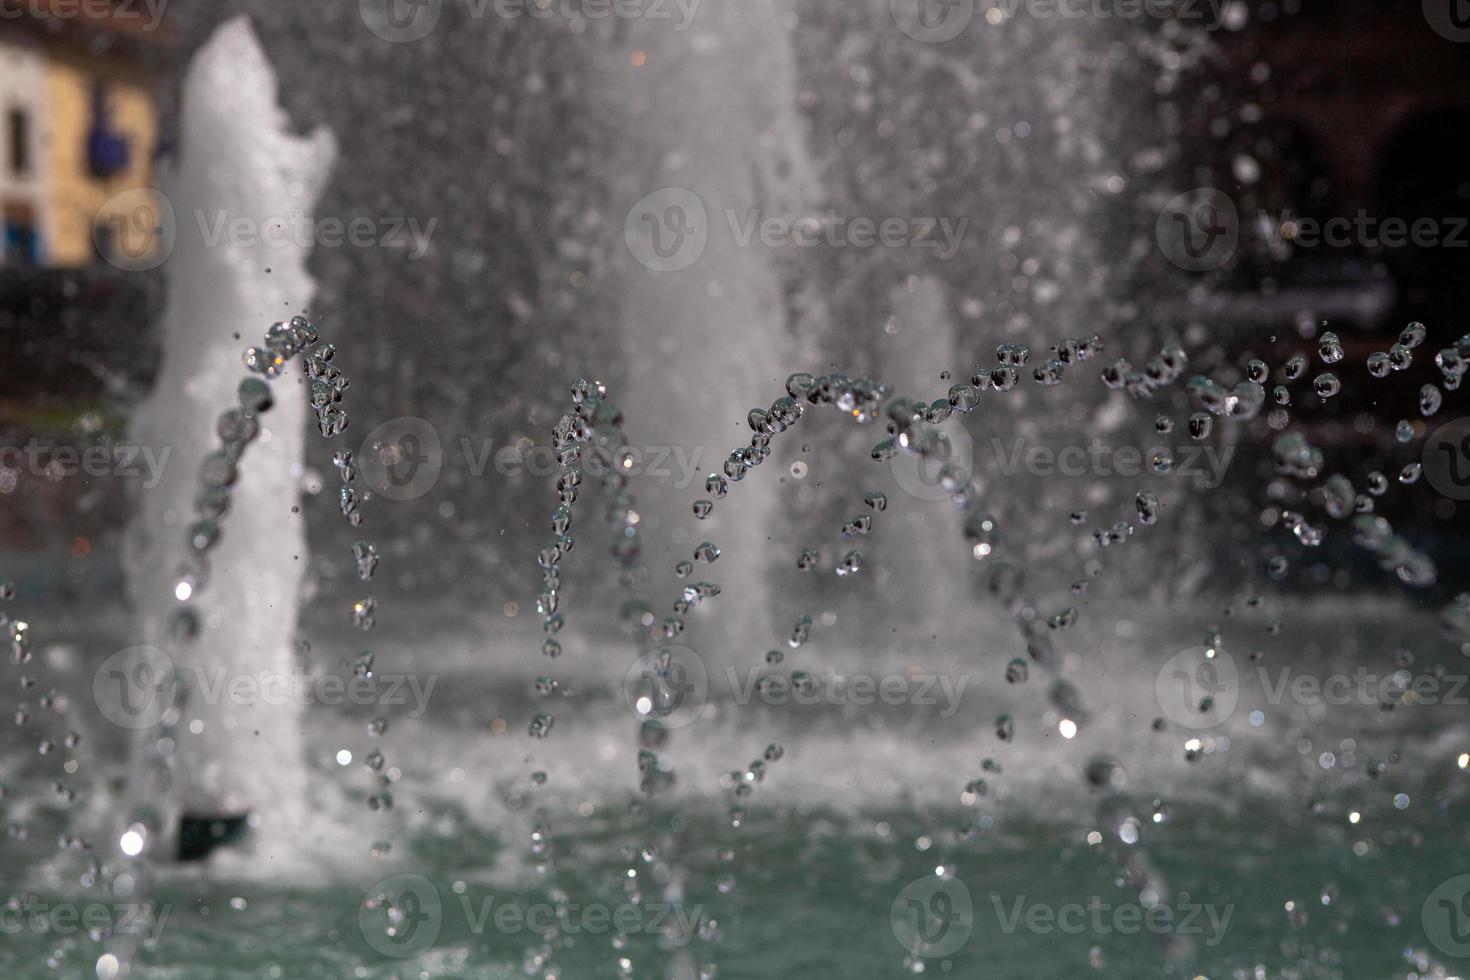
(231, 115)
(659, 868)
(595, 428)
(722, 880)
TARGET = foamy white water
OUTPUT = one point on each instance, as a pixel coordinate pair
(237, 162)
(707, 327)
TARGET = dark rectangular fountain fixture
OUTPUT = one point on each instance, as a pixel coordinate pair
(200, 836)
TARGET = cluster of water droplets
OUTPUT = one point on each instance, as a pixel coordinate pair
(1296, 457)
(1298, 460)
(236, 427)
(911, 428)
(327, 383)
(326, 386)
(1121, 820)
(765, 424)
(48, 720)
(51, 725)
(589, 442)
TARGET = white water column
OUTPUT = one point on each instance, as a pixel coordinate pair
(701, 312)
(239, 172)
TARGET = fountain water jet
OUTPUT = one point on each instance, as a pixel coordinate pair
(237, 162)
(712, 333)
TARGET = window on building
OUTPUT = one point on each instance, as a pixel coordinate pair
(19, 126)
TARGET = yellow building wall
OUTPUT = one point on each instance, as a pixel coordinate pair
(75, 200)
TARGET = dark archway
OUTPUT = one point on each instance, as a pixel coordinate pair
(1422, 177)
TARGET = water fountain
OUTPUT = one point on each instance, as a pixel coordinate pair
(237, 162)
(1091, 720)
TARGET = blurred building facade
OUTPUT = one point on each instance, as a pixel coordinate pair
(79, 92)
